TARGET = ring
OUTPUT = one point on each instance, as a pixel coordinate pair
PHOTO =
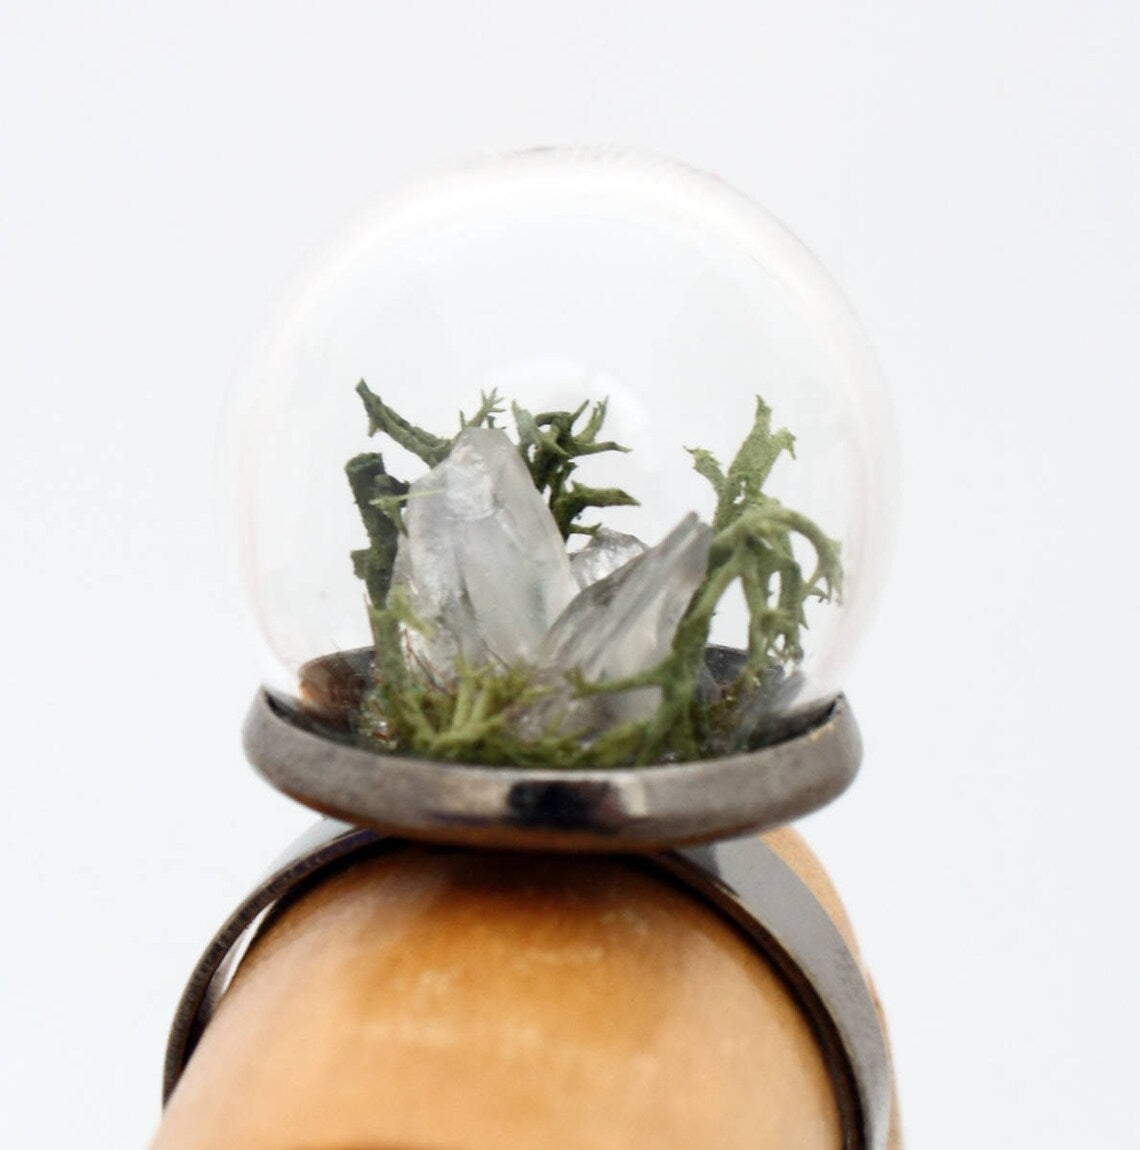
(743, 879)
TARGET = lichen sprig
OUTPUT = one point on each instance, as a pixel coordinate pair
(755, 544)
(754, 536)
(549, 445)
(377, 495)
(465, 719)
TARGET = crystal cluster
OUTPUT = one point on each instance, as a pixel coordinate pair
(487, 580)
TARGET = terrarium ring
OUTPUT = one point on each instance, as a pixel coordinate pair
(565, 483)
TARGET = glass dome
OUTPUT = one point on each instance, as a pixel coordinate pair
(563, 457)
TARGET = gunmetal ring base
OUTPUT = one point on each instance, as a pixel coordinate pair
(583, 809)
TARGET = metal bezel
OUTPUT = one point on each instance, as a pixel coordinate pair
(585, 809)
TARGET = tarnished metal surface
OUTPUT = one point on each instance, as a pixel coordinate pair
(749, 883)
(744, 880)
(320, 847)
(629, 809)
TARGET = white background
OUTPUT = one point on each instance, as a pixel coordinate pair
(969, 173)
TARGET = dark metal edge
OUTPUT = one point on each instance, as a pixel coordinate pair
(323, 846)
(751, 885)
(629, 809)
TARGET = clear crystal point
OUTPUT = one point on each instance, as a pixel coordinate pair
(620, 626)
(605, 553)
(482, 563)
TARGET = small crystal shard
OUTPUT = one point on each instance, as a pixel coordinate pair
(482, 564)
(620, 626)
(606, 552)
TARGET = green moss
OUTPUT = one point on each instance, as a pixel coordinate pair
(550, 447)
(470, 718)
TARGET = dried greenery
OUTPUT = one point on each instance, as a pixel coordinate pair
(549, 446)
(468, 718)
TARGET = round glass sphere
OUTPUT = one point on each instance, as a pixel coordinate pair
(483, 307)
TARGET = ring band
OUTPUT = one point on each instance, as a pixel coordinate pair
(743, 879)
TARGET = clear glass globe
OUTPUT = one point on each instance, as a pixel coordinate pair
(676, 314)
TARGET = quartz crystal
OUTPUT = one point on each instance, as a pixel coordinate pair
(618, 627)
(485, 574)
(482, 565)
(603, 555)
